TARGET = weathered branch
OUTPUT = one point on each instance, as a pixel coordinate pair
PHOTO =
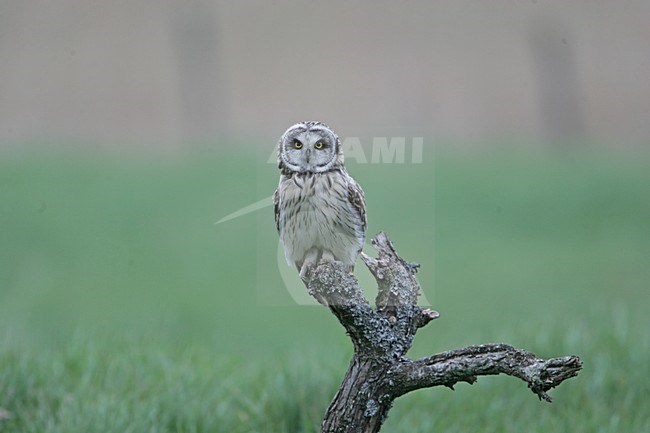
(334, 287)
(380, 372)
(463, 365)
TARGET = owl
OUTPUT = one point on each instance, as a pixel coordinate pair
(320, 211)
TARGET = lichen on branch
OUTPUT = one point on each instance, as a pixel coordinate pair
(380, 371)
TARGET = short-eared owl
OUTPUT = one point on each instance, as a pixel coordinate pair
(320, 210)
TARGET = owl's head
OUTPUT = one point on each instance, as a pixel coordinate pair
(309, 147)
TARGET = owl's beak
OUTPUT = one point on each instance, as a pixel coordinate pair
(308, 154)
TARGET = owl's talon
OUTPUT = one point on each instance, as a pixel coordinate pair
(306, 271)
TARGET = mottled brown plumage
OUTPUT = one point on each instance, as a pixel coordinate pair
(319, 208)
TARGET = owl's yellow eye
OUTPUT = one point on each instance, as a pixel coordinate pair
(297, 144)
(319, 145)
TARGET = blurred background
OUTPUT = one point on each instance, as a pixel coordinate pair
(157, 74)
(128, 128)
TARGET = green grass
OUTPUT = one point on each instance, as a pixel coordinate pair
(123, 308)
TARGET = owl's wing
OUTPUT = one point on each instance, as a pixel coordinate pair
(358, 201)
(276, 205)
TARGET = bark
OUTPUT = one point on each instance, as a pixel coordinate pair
(380, 371)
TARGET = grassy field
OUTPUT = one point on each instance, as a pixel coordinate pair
(124, 308)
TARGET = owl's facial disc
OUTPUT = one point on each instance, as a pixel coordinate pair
(309, 148)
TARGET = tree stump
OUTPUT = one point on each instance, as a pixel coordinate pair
(380, 372)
